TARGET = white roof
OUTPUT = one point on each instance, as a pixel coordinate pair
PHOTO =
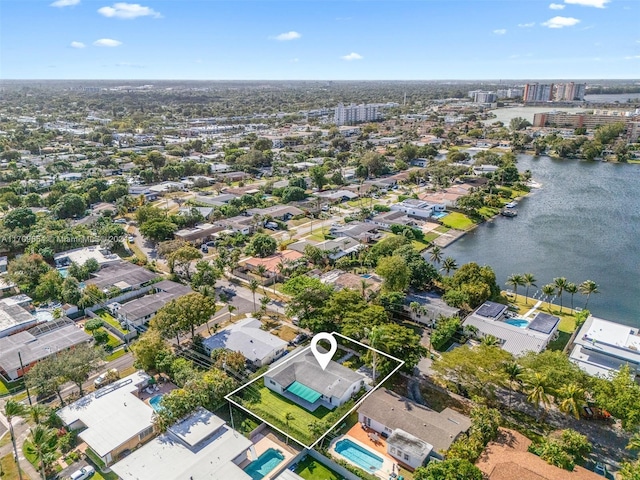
(168, 458)
(113, 414)
(247, 338)
(516, 340)
(81, 255)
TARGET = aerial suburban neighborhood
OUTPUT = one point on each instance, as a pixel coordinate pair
(163, 277)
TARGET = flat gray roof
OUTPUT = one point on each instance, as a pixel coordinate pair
(34, 345)
(132, 275)
(147, 305)
(198, 426)
(12, 316)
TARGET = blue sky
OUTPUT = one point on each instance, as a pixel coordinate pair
(329, 39)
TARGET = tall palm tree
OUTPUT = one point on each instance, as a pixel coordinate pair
(289, 417)
(38, 413)
(375, 337)
(571, 289)
(253, 286)
(415, 307)
(42, 443)
(490, 341)
(448, 265)
(436, 255)
(514, 372)
(561, 285)
(529, 281)
(587, 288)
(536, 389)
(231, 309)
(515, 279)
(549, 290)
(13, 409)
(572, 399)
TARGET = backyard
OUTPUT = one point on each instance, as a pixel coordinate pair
(458, 221)
(311, 469)
(108, 318)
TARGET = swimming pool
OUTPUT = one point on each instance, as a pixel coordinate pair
(262, 465)
(359, 455)
(518, 322)
(366, 275)
(155, 402)
(439, 214)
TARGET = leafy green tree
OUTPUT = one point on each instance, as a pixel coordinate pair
(620, 395)
(477, 283)
(224, 360)
(46, 378)
(93, 325)
(181, 260)
(148, 213)
(70, 205)
(421, 274)
(262, 245)
(292, 194)
(387, 246)
(206, 275)
(49, 286)
(158, 230)
(149, 348)
(156, 159)
(449, 264)
(317, 175)
(549, 290)
(537, 390)
(514, 372)
(77, 364)
(22, 218)
(630, 471)
(453, 469)
(400, 342)
(298, 182)
(395, 272)
(444, 331)
(184, 314)
(27, 270)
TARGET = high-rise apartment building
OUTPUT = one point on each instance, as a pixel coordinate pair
(353, 114)
(568, 92)
(480, 96)
(538, 92)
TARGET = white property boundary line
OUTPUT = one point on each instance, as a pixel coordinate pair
(357, 404)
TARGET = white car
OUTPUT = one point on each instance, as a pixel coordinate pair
(83, 473)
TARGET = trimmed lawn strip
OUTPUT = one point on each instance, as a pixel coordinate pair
(458, 221)
(9, 468)
(567, 317)
(431, 236)
(106, 317)
(442, 229)
(311, 469)
(418, 245)
(116, 354)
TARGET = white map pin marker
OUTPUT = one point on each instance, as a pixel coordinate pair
(323, 358)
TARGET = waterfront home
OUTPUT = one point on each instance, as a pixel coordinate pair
(431, 307)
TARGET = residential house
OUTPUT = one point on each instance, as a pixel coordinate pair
(517, 336)
(414, 433)
(166, 187)
(113, 420)
(271, 263)
(337, 196)
(200, 447)
(200, 232)
(302, 380)
(360, 231)
(602, 347)
(279, 212)
(123, 276)
(138, 312)
(239, 224)
(430, 308)
(417, 208)
(339, 279)
(21, 351)
(386, 220)
(81, 255)
(247, 337)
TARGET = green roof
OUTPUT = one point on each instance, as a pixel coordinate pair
(304, 392)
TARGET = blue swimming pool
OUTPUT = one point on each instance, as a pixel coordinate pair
(262, 465)
(366, 275)
(362, 457)
(64, 272)
(518, 322)
(439, 214)
(155, 402)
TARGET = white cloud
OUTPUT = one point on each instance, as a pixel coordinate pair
(527, 25)
(352, 56)
(285, 37)
(588, 3)
(107, 42)
(561, 22)
(64, 3)
(556, 6)
(632, 57)
(128, 11)
(77, 44)
(500, 31)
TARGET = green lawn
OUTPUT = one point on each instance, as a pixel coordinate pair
(488, 212)
(311, 469)
(567, 318)
(418, 245)
(116, 354)
(442, 229)
(106, 316)
(431, 236)
(458, 221)
(276, 406)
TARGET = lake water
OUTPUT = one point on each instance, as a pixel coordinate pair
(612, 97)
(583, 224)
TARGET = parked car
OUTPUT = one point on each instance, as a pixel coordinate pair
(83, 473)
(210, 244)
(204, 249)
(102, 378)
(601, 469)
(271, 225)
(131, 239)
(299, 339)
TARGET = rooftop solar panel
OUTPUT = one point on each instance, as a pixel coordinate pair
(491, 309)
(544, 323)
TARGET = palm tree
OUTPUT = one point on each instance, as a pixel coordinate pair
(38, 413)
(514, 372)
(489, 341)
(515, 279)
(42, 443)
(262, 270)
(529, 281)
(375, 336)
(363, 286)
(549, 290)
(231, 309)
(561, 284)
(449, 264)
(572, 399)
(571, 289)
(536, 390)
(436, 255)
(587, 288)
(253, 286)
(13, 409)
(289, 417)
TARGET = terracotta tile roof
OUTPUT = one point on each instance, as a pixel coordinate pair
(507, 458)
(271, 263)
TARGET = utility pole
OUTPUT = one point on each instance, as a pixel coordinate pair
(25, 383)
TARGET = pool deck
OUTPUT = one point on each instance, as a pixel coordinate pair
(163, 388)
(361, 437)
(262, 443)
